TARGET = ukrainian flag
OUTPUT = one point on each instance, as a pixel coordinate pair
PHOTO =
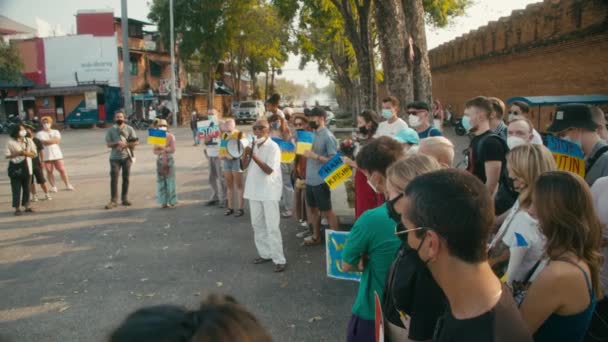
(304, 144)
(288, 150)
(157, 137)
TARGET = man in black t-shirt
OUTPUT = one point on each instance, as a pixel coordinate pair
(486, 157)
(453, 247)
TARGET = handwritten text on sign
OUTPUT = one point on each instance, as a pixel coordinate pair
(335, 172)
(208, 129)
(333, 254)
(568, 155)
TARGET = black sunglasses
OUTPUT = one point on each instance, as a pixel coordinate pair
(259, 127)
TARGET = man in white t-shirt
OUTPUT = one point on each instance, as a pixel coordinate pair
(263, 189)
(392, 123)
(520, 109)
(212, 152)
(152, 114)
(53, 157)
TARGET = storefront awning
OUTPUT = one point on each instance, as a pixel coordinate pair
(64, 90)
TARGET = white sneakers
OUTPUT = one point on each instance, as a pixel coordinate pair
(69, 188)
(53, 189)
(47, 197)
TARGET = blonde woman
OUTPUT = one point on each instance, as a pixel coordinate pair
(519, 243)
(53, 157)
(409, 279)
(233, 175)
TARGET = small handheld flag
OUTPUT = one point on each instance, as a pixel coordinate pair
(305, 140)
(288, 150)
(157, 137)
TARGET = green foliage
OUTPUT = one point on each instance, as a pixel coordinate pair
(10, 62)
(439, 12)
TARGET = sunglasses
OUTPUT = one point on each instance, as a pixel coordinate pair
(259, 127)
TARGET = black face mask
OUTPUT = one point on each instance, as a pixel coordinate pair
(390, 208)
(510, 185)
(313, 125)
(363, 130)
(120, 122)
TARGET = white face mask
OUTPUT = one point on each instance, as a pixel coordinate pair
(23, 133)
(514, 141)
(162, 128)
(413, 120)
(46, 125)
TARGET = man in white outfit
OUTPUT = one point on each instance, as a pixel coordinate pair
(263, 189)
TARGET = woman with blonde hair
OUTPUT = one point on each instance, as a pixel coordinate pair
(280, 129)
(53, 157)
(561, 300)
(410, 289)
(166, 194)
(233, 174)
(519, 243)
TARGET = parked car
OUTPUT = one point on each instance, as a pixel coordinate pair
(234, 107)
(249, 111)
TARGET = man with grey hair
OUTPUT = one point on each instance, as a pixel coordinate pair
(439, 147)
(212, 152)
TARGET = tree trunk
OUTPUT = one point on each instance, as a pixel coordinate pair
(414, 18)
(211, 86)
(392, 34)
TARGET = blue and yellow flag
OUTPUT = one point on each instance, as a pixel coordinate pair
(157, 137)
(568, 155)
(304, 143)
(288, 150)
(335, 172)
(334, 245)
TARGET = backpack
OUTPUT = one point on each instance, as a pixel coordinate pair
(595, 157)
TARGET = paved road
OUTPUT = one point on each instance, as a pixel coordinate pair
(72, 270)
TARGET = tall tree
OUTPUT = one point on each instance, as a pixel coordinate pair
(10, 63)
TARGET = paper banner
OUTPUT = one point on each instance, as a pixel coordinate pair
(334, 244)
(288, 150)
(568, 155)
(304, 143)
(157, 137)
(335, 172)
(208, 129)
(379, 318)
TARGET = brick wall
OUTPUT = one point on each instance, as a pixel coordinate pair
(550, 48)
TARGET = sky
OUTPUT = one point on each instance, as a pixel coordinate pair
(57, 16)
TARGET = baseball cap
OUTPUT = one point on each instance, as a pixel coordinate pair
(574, 115)
(419, 105)
(316, 111)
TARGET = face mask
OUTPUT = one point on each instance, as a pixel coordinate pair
(413, 120)
(46, 125)
(387, 113)
(275, 125)
(162, 128)
(399, 228)
(120, 122)
(372, 186)
(392, 213)
(466, 123)
(514, 141)
(269, 113)
(313, 124)
(424, 262)
(23, 133)
(512, 117)
(363, 130)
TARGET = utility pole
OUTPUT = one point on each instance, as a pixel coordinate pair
(126, 63)
(173, 83)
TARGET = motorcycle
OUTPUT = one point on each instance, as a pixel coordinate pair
(458, 127)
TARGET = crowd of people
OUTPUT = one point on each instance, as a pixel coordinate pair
(507, 249)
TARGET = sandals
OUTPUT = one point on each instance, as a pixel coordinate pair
(239, 213)
(312, 242)
(29, 210)
(278, 268)
(260, 260)
(228, 212)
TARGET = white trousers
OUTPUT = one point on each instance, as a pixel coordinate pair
(265, 219)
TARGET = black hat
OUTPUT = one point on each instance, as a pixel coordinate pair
(574, 115)
(316, 111)
(419, 105)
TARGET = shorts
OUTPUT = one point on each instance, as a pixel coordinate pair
(232, 165)
(318, 197)
(38, 174)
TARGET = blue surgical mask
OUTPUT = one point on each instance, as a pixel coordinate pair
(387, 113)
(466, 123)
(275, 125)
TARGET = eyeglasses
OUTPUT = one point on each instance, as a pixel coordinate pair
(410, 230)
(259, 127)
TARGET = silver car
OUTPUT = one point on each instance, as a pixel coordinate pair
(249, 111)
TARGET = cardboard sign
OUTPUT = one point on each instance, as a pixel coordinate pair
(335, 172)
(208, 129)
(304, 143)
(157, 137)
(334, 243)
(568, 155)
(288, 150)
(379, 318)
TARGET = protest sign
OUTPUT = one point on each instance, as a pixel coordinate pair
(288, 150)
(157, 137)
(568, 155)
(207, 129)
(335, 172)
(334, 243)
(305, 140)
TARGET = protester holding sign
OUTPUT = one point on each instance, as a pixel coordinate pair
(233, 175)
(280, 129)
(318, 195)
(447, 215)
(299, 175)
(212, 152)
(263, 190)
(561, 300)
(372, 242)
(166, 194)
(412, 301)
(574, 122)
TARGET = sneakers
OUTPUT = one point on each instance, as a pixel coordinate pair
(303, 223)
(47, 196)
(53, 189)
(286, 214)
(304, 234)
(69, 188)
(34, 198)
(324, 222)
(111, 205)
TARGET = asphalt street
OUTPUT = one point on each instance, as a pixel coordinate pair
(72, 271)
